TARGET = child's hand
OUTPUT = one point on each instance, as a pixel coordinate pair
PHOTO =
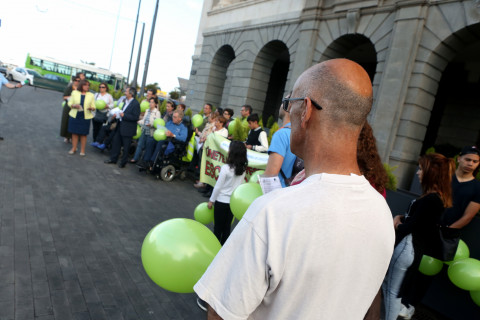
(210, 204)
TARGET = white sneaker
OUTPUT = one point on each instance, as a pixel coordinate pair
(202, 304)
(199, 185)
(407, 312)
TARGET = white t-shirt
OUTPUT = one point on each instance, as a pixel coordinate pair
(223, 132)
(317, 250)
(107, 97)
(227, 182)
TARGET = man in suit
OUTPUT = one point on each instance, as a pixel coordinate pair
(126, 128)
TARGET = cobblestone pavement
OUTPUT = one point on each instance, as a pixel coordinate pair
(71, 227)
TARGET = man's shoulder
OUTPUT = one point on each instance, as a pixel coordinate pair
(282, 133)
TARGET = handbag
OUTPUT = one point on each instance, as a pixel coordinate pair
(448, 243)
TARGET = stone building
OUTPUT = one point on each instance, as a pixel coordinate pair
(423, 58)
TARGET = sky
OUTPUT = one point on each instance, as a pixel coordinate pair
(87, 30)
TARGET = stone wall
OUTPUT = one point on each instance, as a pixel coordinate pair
(406, 44)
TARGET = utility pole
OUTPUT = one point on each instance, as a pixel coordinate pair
(133, 44)
(147, 60)
(135, 76)
(115, 35)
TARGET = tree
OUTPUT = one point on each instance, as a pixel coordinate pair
(174, 94)
(153, 86)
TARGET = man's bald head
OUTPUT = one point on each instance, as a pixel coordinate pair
(343, 89)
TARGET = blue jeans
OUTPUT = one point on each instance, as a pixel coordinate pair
(150, 144)
(142, 142)
(402, 259)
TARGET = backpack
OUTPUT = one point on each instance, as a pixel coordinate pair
(298, 166)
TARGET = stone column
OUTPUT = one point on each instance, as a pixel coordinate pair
(393, 88)
(307, 41)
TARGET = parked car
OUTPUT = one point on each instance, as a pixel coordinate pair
(49, 81)
(3, 70)
(21, 75)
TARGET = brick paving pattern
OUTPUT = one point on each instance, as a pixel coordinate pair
(71, 227)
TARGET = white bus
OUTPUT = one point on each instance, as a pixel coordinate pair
(47, 65)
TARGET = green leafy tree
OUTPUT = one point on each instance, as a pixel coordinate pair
(174, 94)
(270, 122)
(163, 107)
(392, 179)
(274, 128)
(153, 86)
(240, 130)
(117, 94)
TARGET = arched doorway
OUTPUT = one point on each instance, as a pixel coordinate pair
(269, 76)
(455, 116)
(355, 47)
(218, 75)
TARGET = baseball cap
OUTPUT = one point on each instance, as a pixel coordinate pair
(470, 150)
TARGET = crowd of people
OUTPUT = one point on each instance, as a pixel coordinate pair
(315, 234)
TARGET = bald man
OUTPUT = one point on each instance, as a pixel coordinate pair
(320, 249)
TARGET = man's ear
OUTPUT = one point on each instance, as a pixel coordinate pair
(307, 112)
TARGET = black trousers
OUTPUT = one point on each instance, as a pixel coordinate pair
(97, 126)
(118, 142)
(222, 221)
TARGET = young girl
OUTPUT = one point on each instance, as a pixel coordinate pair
(232, 174)
(417, 232)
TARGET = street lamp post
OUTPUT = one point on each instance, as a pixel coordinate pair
(133, 44)
(137, 66)
(147, 60)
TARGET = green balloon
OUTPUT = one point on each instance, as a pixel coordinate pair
(139, 133)
(242, 198)
(115, 103)
(231, 127)
(430, 266)
(100, 104)
(254, 176)
(465, 274)
(475, 295)
(144, 106)
(176, 253)
(64, 103)
(197, 120)
(120, 105)
(159, 134)
(159, 122)
(462, 252)
(202, 214)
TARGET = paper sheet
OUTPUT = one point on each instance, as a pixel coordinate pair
(269, 183)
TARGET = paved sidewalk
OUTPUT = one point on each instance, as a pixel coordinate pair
(71, 228)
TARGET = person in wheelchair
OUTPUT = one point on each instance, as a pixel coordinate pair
(176, 132)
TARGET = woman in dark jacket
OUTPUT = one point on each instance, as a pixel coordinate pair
(417, 230)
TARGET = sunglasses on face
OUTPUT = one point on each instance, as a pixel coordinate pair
(286, 103)
(102, 87)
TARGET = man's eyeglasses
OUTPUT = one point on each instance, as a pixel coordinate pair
(286, 103)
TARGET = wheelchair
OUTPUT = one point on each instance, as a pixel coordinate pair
(175, 163)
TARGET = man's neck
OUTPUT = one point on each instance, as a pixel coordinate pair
(333, 153)
(463, 176)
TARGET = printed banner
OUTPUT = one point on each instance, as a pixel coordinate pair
(215, 152)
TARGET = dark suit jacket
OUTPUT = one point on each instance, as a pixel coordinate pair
(128, 127)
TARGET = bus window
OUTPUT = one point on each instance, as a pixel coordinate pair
(63, 69)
